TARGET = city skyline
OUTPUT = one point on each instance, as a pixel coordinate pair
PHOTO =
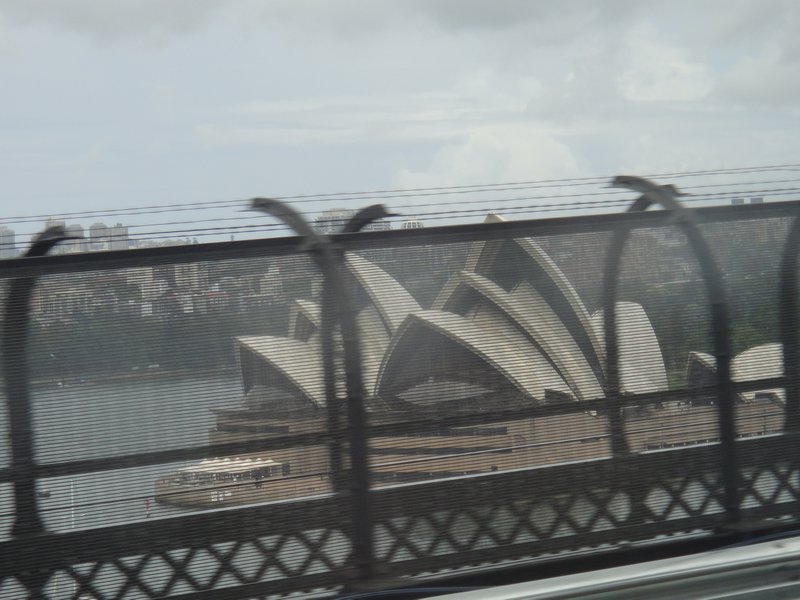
(100, 236)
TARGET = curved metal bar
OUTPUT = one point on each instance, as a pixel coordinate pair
(789, 325)
(361, 219)
(333, 404)
(616, 423)
(665, 196)
(315, 243)
(619, 442)
(329, 261)
(365, 216)
(27, 520)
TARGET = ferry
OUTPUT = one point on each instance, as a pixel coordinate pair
(231, 481)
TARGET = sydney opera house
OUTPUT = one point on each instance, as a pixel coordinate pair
(506, 331)
(509, 325)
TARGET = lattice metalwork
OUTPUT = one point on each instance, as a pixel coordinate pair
(403, 423)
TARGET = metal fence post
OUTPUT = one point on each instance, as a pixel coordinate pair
(665, 196)
(330, 262)
(27, 520)
(16, 372)
(787, 315)
(616, 422)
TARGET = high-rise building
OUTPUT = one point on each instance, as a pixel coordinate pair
(118, 237)
(75, 245)
(55, 222)
(98, 236)
(8, 248)
(332, 220)
(75, 230)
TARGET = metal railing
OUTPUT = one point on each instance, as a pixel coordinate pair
(363, 536)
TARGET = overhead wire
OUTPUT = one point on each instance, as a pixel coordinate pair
(425, 214)
(486, 197)
(462, 202)
(392, 193)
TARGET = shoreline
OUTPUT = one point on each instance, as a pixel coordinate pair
(144, 374)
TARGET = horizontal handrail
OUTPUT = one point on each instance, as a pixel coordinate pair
(366, 240)
(143, 459)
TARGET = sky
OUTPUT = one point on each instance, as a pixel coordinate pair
(137, 103)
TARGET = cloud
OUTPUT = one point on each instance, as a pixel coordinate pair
(553, 21)
(347, 19)
(102, 20)
(658, 71)
(386, 118)
(476, 14)
(106, 20)
(765, 82)
(115, 20)
(497, 153)
(220, 136)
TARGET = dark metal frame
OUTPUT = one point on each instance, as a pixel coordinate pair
(337, 309)
(15, 371)
(789, 325)
(684, 217)
(468, 520)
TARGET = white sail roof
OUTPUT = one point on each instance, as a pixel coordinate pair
(641, 364)
(542, 259)
(759, 362)
(526, 308)
(491, 337)
(303, 309)
(299, 362)
(374, 341)
(481, 258)
(390, 298)
(526, 331)
(709, 361)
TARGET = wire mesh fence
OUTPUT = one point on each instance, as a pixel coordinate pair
(307, 415)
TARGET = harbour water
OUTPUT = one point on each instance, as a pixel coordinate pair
(113, 418)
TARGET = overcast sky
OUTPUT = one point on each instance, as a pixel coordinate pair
(140, 102)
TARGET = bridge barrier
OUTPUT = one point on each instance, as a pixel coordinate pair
(376, 409)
